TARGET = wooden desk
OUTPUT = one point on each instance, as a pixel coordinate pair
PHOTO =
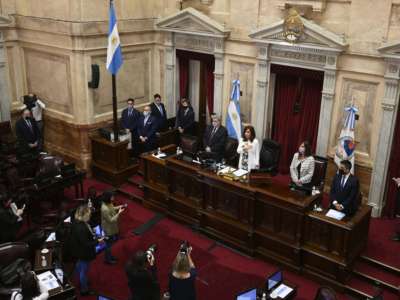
(269, 221)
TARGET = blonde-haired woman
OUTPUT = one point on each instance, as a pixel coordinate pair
(83, 245)
(183, 277)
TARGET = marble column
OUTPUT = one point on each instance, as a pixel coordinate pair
(5, 102)
(218, 83)
(170, 63)
(381, 162)
(259, 113)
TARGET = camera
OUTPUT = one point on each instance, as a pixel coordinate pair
(151, 251)
(184, 247)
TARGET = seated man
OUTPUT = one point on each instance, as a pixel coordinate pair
(344, 190)
(159, 113)
(215, 138)
(27, 133)
(10, 219)
(145, 137)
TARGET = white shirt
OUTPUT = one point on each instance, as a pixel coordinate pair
(253, 160)
(345, 180)
(37, 110)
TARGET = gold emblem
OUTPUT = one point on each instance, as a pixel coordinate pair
(293, 27)
(114, 40)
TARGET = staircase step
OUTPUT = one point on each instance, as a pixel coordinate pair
(374, 273)
(381, 265)
(136, 180)
(362, 289)
(131, 192)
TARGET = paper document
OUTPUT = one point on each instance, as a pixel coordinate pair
(240, 172)
(160, 155)
(281, 291)
(335, 214)
(48, 280)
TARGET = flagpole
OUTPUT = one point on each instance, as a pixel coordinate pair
(115, 116)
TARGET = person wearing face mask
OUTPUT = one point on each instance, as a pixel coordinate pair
(302, 168)
(129, 119)
(185, 118)
(214, 139)
(249, 150)
(146, 131)
(158, 111)
(27, 133)
(344, 190)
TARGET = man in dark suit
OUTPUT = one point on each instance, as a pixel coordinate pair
(345, 190)
(27, 133)
(130, 116)
(214, 138)
(185, 117)
(158, 111)
(146, 131)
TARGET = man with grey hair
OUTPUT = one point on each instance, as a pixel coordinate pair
(146, 131)
(215, 138)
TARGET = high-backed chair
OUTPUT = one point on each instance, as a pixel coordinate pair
(318, 179)
(325, 293)
(230, 153)
(188, 143)
(269, 156)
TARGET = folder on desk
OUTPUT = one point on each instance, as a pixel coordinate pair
(332, 213)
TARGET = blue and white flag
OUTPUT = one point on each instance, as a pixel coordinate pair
(114, 53)
(346, 144)
(233, 122)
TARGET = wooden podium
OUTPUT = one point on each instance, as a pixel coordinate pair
(110, 161)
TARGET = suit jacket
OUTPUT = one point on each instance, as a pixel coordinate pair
(147, 130)
(82, 241)
(129, 122)
(347, 195)
(217, 141)
(143, 283)
(25, 134)
(306, 169)
(161, 118)
(185, 121)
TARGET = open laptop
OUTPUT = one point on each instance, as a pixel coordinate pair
(248, 295)
(275, 286)
(274, 281)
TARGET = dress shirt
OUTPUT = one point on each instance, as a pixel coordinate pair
(37, 110)
(160, 109)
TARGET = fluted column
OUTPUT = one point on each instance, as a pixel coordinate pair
(170, 64)
(381, 162)
(218, 77)
(5, 102)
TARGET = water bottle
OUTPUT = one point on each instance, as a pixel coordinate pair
(44, 261)
(89, 204)
(178, 150)
(159, 150)
(264, 296)
(313, 192)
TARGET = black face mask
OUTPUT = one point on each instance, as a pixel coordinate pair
(341, 172)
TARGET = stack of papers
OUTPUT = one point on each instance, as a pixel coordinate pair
(332, 213)
(240, 172)
(48, 281)
(51, 237)
(160, 155)
(281, 291)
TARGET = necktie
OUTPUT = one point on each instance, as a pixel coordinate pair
(213, 132)
(129, 112)
(145, 120)
(342, 183)
(160, 109)
(29, 124)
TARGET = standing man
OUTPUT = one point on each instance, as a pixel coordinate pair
(345, 190)
(146, 131)
(130, 118)
(27, 133)
(159, 112)
(215, 138)
(37, 113)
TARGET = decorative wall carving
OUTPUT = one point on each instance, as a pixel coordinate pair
(133, 81)
(49, 76)
(195, 43)
(363, 93)
(299, 56)
(246, 75)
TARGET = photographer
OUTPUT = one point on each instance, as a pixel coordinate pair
(31, 288)
(109, 223)
(142, 277)
(83, 245)
(183, 277)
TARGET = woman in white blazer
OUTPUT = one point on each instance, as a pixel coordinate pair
(249, 150)
(302, 167)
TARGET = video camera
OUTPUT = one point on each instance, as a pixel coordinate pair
(151, 251)
(184, 247)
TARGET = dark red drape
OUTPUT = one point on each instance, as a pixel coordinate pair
(209, 79)
(296, 110)
(393, 171)
(183, 77)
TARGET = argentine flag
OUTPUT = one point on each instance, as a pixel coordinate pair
(233, 122)
(114, 53)
(346, 144)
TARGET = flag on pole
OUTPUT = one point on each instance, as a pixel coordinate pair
(346, 145)
(114, 53)
(233, 122)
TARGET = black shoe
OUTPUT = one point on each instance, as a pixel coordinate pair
(110, 262)
(87, 293)
(396, 238)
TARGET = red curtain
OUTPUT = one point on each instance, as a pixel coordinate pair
(209, 79)
(296, 110)
(393, 171)
(183, 76)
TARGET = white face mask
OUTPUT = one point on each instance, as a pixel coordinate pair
(302, 150)
(146, 113)
(215, 124)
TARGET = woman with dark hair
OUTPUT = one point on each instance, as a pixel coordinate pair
(183, 277)
(302, 167)
(185, 117)
(31, 288)
(142, 280)
(249, 150)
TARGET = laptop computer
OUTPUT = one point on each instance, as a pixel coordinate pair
(248, 295)
(274, 281)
